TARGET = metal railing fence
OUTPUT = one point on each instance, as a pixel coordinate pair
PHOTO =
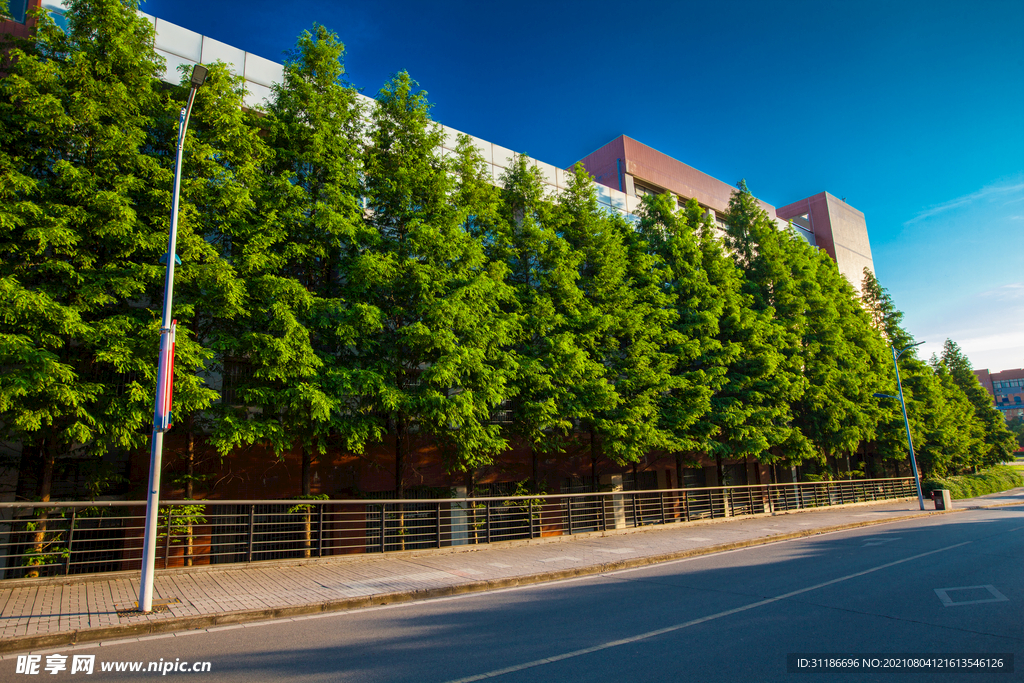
(55, 539)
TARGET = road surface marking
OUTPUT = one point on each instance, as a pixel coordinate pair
(880, 540)
(947, 601)
(693, 622)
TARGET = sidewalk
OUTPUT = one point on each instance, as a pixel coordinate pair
(47, 613)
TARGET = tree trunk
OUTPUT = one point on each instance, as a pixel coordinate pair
(400, 448)
(307, 522)
(535, 463)
(28, 471)
(46, 450)
(307, 466)
(190, 468)
(679, 470)
(470, 493)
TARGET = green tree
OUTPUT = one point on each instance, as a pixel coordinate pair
(80, 235)
(83, 222)
(689, 272)
(843, 355)
(297, 261)
(952, 440)
(435, 357)
(923, 392)
(778, 279)
(1016, 427)
(623, 323)
(559, 378)
(999, 441)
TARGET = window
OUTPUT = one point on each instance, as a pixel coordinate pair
(17, 9)
(503, 412)
(236, 373)
(643, 190)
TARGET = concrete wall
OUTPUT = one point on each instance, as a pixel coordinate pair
(839, 229)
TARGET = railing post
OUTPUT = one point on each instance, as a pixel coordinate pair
(487, 520)
(383, 528)
(167, 541)
(686, 507)
(437, 528)
(320, 531)
(661, 497)
(71, 534)
(635, 524)
(768, 491)
(531, 517)
(604, 513)
(568, 506)
(252, 529)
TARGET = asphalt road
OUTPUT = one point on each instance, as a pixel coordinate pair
(947, 585)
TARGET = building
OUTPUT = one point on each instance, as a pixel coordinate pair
(625, 170)
(1006, 389)
(630, 167)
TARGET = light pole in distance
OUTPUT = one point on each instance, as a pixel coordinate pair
(906, 422)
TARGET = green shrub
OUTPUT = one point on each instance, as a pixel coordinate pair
(993, 480)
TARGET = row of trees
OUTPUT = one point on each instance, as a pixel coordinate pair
(350, 279)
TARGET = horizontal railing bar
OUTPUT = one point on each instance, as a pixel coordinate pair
(408, 501)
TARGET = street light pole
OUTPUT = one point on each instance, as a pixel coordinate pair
(165, 367)
(906, 422)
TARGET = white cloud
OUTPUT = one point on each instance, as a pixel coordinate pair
(988, 327)
(1014, 290)
(988, 192)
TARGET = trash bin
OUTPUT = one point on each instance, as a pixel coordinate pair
(942, 499)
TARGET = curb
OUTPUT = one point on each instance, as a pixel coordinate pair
(66, 638)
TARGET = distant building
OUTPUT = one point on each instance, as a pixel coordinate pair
(829, 223)
(1007, 390)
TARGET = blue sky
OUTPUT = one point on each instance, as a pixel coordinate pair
(913, 111)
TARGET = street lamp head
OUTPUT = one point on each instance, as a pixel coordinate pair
(199, 75)
(884, 396)
(899, 353)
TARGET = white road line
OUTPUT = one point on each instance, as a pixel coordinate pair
(694, 622)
